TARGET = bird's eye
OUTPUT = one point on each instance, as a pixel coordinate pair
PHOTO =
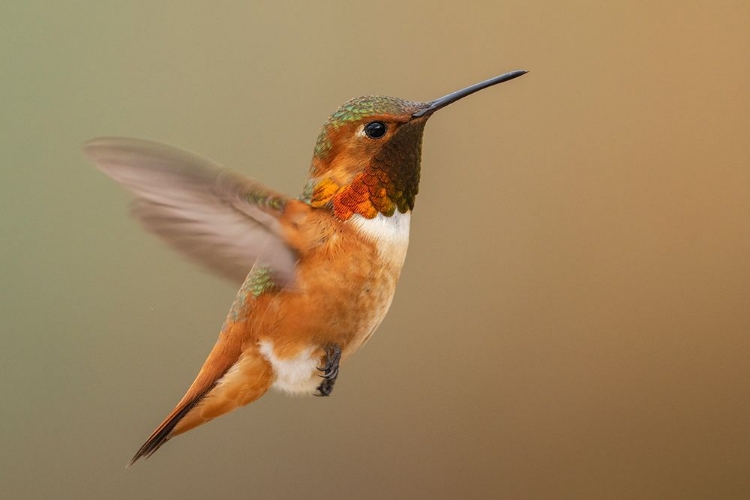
(375, 130)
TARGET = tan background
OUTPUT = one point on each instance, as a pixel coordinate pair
(573, 318)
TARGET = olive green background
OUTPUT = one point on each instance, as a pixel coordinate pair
(573, 319)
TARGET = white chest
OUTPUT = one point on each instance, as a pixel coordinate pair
(390, 234)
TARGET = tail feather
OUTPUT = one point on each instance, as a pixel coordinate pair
(162, 433)
(246, 380)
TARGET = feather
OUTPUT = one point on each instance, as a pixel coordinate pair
(222, 219)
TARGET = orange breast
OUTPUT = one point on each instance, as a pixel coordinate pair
(344, 289)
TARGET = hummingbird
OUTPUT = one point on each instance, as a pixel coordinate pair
(318, 272)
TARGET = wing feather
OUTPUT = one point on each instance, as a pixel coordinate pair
(222, 219)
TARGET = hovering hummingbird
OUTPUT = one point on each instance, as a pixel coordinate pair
(318, 273)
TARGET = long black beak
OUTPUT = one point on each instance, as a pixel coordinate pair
(460, 94)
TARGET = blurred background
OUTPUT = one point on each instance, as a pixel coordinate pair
(573, 319)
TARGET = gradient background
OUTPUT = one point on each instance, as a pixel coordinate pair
(573, 319)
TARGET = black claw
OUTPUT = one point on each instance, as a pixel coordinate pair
(330, 370)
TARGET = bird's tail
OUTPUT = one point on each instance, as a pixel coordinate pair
(163, 433)
(245, 381)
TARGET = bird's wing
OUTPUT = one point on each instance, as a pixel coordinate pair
(218, 217)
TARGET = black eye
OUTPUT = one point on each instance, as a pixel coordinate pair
(375, 130)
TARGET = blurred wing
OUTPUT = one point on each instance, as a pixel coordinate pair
(218, 217)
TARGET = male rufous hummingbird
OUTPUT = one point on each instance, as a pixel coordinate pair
(318, 272)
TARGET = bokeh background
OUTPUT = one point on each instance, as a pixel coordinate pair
(573, 319)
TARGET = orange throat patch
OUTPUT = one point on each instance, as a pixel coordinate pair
(368, 195)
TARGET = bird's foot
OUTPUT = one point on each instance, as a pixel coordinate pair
(330, 370)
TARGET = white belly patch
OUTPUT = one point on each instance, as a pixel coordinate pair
(297, 375)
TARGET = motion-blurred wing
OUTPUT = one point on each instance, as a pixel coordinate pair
(218, 217)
